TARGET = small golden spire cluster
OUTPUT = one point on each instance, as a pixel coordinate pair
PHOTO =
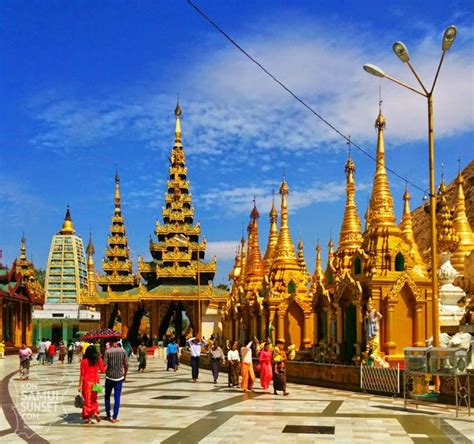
(447, 237)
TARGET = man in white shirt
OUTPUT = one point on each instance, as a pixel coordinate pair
(195, 345)
(248, 375)
(234, 361)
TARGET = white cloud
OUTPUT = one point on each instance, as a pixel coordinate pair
(232, 108)
(223, 250)
(238, 200)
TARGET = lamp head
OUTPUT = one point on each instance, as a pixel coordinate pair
(374, 70)
(401, 51)
(448, 37)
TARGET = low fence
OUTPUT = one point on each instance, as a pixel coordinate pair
(380, 380)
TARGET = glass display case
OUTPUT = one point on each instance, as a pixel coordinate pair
(416, 359)
(448, 361)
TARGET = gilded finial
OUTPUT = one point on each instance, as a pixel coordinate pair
(23, 247)
(177, 132)
(90, 246)
(447, 238)
(68, 226)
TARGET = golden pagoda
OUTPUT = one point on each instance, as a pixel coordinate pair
(287, 299)
(117, 266)
(175, 281)
(388, 275)
(26, 270)
(92, 287)
(461, 227)
(272, 238)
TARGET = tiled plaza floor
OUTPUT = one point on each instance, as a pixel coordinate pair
(160, 406)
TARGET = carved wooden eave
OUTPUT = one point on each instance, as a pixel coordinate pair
(347, 284)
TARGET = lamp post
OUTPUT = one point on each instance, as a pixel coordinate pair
(402, 53)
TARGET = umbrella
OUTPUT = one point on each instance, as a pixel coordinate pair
(101, 333)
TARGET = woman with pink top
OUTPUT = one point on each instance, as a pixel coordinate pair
(25, 357)
(265, 364)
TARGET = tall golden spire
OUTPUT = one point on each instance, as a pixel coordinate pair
(406, 225)
(447, 238)
(177, 131)
(301, 259)
(351, 236)
(243, 258)
(117, 266)
(272, 237)
(381, 202)
(68, 226)
(90, 266)
(318, 271)
(117, 194)
(254, 259)
(330, 263)
(284, 249)
(461, 227)
(23, 248)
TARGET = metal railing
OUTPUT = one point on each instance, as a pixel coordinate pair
(379, 379)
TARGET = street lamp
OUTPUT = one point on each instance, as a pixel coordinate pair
(402, 53)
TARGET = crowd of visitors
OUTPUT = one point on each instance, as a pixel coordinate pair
(112, 359)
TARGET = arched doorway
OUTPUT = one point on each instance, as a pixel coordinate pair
(404, 315)
(350, 333)
(294, 322)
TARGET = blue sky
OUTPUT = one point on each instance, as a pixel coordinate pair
(87, 85)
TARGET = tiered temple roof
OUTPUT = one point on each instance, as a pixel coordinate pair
(117, 265)
(178, 252)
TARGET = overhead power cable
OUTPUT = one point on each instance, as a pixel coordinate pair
(295, 96)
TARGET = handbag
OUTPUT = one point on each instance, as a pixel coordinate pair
(79, 401)
(97, 388)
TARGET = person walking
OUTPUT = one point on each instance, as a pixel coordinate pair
(51, 353)
(41, 351)
(47, 344)
(70, 351)
(62, 352)
(2, 349)
(234, 365)
(25, 354)
(217, 358)
(248, 375)
(279, 369)
(265, 366)
(89, 381)
(195, 345)
(142, 357)
(116, 362)
(172, 355)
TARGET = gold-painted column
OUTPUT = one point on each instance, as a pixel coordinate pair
(339, 325)
(281, 326)
(29, 329)
(153, 319)
(103, 316)
(389, 344)
(307, 333)
(19, 335)
(316, 337)
(124, 316)
(328, 325)
(418, 327)
(253, 330)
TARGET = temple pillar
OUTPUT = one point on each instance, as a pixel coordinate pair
(339, 325)
(307, 333)
(315, 328)
(103, 316)
(328, 315)
(29, 329)
(124, 316)
(65, 331)
(418, 339)
(389, 344)
(19, 324)
(281, 326)
(253, 330)
(154, 319)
